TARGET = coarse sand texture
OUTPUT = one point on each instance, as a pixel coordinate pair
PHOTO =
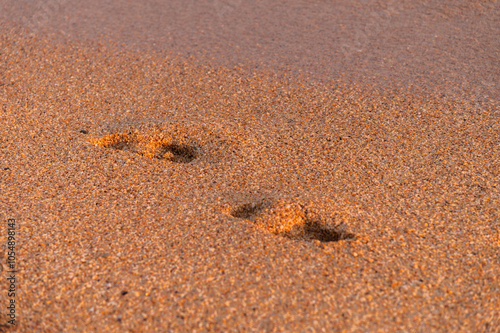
(161, 194)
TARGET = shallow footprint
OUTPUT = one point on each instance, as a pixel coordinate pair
(157, 146)
(293, 221)
(249, 210)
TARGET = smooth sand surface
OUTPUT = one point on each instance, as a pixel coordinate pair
(251, 166)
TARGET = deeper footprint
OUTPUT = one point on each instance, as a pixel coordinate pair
(293, 221)
(156, 146)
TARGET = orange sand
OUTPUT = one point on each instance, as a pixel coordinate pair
(152, 194)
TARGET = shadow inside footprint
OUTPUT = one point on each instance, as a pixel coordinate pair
(247, 211)
(177, 153)
(316, 231)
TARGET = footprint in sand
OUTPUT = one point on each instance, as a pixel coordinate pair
(293, 221)
(156, 146)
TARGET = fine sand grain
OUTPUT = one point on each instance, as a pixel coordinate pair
(155, 193)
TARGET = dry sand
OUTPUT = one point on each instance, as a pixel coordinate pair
(161, 193)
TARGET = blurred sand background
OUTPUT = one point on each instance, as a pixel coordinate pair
(172, 164)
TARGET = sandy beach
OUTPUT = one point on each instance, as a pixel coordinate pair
(237, 166)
